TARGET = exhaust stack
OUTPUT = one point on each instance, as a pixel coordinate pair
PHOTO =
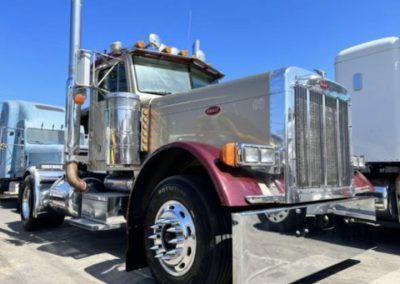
(73, 110)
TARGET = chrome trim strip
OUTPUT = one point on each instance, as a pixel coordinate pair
(265, 199)
(308, 141)
(325, 151)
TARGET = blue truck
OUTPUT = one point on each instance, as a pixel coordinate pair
(31, 135)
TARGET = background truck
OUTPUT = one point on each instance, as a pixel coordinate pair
(215, 182)
(371, 71)
(31, 135)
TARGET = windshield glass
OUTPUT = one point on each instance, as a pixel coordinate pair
(201, 79)
(160, 76)
(45, 136)
(163, 77)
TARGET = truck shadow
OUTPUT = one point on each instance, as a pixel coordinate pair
(79, 246)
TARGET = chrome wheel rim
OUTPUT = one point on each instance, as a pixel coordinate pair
(278, 217)
(26, 207)
(174, 238)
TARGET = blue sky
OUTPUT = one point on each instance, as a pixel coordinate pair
(239, 37)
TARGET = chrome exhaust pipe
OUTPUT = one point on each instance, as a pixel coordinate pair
(73, 110)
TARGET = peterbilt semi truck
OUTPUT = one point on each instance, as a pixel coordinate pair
(246, 181)
(31, 135)
(371, 73)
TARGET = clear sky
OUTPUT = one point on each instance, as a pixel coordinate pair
(239, 37)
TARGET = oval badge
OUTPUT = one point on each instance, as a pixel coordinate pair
(213, 110)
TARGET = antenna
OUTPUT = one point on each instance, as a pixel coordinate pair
(189, 29)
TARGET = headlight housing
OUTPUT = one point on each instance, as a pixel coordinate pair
(241, 154)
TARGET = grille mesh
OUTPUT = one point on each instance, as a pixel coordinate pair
(320, 161)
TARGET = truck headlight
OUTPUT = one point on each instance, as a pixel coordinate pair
(251, 154)
(240, 154)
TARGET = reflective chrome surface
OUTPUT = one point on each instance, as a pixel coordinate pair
(174, 238)
(119, 183)
(73, 111)
(262, 110)
(122, 117)
(62, 197)
(26, 203)
(104, 207)
(283, 245)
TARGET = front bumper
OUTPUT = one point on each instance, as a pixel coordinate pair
(281, 245)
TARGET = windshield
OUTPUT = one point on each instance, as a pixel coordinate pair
(45, 136)
(165, 77)
(160, 76)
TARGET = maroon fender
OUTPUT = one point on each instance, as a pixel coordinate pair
(231, 184)
(361, 183)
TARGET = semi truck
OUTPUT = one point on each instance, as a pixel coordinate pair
(247, 181)
(31, 135)
(371, 72)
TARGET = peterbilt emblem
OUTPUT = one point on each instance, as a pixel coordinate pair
(213, 110)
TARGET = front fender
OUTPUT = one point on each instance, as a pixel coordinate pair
(231, 184)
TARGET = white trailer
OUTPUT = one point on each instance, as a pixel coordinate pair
(371, 72)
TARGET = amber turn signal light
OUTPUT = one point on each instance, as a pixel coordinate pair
(228, 154)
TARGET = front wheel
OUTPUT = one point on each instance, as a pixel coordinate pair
(184, 233)
(26, 205)
(27, 199)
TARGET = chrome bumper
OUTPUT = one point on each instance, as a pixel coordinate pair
(281, 245)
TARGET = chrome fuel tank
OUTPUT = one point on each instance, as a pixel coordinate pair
(114, 132)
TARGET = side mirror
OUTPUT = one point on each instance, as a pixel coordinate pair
(155, 40)
(83, 69)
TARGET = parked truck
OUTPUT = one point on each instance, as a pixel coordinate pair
(214, 181)
(31, 135)
(371, 71)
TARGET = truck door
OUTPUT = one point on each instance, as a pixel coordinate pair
(19, 151)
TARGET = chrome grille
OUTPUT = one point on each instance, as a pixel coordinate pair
(322, 140)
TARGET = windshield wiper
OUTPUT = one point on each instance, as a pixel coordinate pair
(159, 92)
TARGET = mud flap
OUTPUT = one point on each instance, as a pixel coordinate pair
(282, 245)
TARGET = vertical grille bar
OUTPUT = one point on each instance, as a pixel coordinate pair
(338, 143)
(300, 133)
(324, 141)
(344, 130)
(307, 141)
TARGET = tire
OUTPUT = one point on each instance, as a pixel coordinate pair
(185, 220)
(27, 198)
(284, 221)
(51, 219)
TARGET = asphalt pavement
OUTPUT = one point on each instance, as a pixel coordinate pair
(72, 255)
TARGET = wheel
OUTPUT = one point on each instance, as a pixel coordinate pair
(183, 229)
(27, 199)
(285, 221)
(51, 219)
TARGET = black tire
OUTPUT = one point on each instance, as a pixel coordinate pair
(27, 198)
(51, 219)
(284, 221)
(212, 258)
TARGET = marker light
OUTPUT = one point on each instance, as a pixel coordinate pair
(183, 52)
(167, 49)
(139, 44)
(79, 99)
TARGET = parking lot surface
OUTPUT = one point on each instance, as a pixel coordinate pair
(72, 255)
